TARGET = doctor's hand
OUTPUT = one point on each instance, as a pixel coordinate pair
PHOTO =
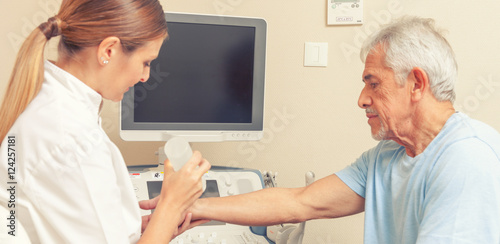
(147, 205)
(186, 224)
(179, 191)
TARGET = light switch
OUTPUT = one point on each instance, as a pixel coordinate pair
(316, 54)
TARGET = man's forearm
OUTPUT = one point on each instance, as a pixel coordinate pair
(328, 197)
(264, 207)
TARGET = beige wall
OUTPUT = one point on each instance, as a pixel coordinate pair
(323, 129)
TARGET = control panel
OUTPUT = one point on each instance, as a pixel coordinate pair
(218, 182)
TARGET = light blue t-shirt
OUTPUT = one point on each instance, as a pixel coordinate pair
(449, 194)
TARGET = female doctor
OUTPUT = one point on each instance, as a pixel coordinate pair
(70, 183)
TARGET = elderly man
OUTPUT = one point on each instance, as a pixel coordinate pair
(433, 178)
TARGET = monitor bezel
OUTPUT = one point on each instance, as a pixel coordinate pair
(205, 132)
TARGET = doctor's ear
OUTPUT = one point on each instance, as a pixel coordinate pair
(107, 49)
(420, 82)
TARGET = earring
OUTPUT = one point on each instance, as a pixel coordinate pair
(104, 61)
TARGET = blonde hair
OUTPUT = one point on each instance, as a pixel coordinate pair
(81, 24)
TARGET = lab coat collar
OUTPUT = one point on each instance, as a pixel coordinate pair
(76, 88)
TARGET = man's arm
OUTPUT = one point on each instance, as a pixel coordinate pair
(326, 198)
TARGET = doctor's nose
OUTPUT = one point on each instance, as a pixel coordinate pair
(144, 78)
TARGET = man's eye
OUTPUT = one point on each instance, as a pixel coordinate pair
(373, 85)
(147, 64)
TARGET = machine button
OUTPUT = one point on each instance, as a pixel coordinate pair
(228, 182)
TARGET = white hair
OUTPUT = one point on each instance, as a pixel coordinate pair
(415, 42)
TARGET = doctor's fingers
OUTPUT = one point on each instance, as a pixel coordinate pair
(193, 162)
(145, 222)
(168, 169)
(184, 226)
(197, 164)
(203, 167)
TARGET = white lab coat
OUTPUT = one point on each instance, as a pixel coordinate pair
(72, 185)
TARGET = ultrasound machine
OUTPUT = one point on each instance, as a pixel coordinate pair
(207, 85)
(220, 182)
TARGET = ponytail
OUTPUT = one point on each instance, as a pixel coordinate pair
(81, 24)
(27, 76)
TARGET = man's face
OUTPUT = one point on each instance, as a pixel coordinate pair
(385, 101)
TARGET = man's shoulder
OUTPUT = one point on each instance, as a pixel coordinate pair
(467, 145)
(467, 135)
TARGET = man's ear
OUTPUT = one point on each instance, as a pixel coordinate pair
(420, 83)
(108, 49)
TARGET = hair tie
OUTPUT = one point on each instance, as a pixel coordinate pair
(51, 28)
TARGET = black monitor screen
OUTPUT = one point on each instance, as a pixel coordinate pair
(203, 74)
